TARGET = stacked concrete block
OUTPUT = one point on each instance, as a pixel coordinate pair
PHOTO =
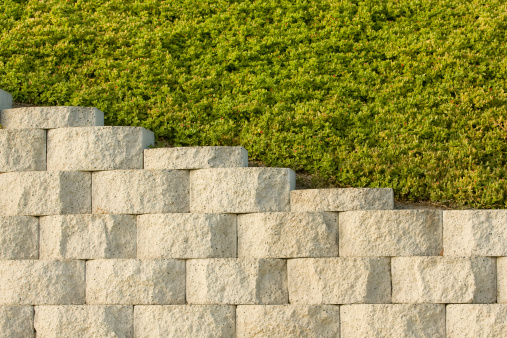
(22, 150)
(51, 117)
(97, 148)
(195, 158)
(101, 237)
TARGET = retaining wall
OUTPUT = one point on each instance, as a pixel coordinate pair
(103, 237)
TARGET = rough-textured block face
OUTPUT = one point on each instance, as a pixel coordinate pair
(16, 322)
(339, 280)
(19, 237)
(5, 100)
(236, 281)
(476, 320)
(475, 233)
(84, 321)
(241, 190)
(97, 148)
(87, 236)
(132, 282)
(140, 191)
(22, 150)
(393, 320)
(51, 117)
(162, 236)
(185, 321)
(42, 282)
(195, 158)
(502, 280)
(391, 233)
(288, 321)
(287, 235)
(444, 280)
(45, 193)
(341, 199)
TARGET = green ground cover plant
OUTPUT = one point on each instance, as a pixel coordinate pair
(402, 94)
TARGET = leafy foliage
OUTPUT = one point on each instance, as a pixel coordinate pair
(402, 94)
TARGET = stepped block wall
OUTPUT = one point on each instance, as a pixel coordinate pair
(103, 237)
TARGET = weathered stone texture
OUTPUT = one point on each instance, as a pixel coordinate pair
(393, 320)
(97, 148)
(236, 281)
(5, 100)
(84, 321)
(502, 279)
(241, 190)
(45, 193)
(16, 322)
(391, 233)
(132, 282)
(140, 191)
(19, 237)
(28, 282)
(185, 321)
(339, 280)
(195, 158)
(22, 150)
(87, 236)
(343, 199)
(51, 117)
(475, 233)
(476, 320)
(161, 236)
(288, 235)
(443, 280)
(288, 321)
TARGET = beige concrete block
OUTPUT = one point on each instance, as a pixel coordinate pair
(391, 233)
(84, 321)
(133, 282)
(241, 190)
(393, 320)
(195, 158)
(236, 281)
(51, 117)
(502, 280)
(140, 191)
(185, 321)
(5, 100)
(161, 236)
(19, 237)
(343, 199)
(40, 193)
(16, 322)
(288, 235)
(22, 150)
(87, 236)
(31, 282)
(339, 280)
(98, 148)
(475, 233)
(288, 321)
(476, 320)
(443, 280)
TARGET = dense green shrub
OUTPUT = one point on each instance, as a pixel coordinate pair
(402, 94)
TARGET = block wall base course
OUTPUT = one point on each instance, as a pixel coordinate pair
(185, 321)
(97, 148)
(51, 117)
(288, 235)
(163, 236)
(19, 237)
(39, 193)
(343, 199)
(16, 321)
(195, 158)
(22, 150)
(476, 320)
